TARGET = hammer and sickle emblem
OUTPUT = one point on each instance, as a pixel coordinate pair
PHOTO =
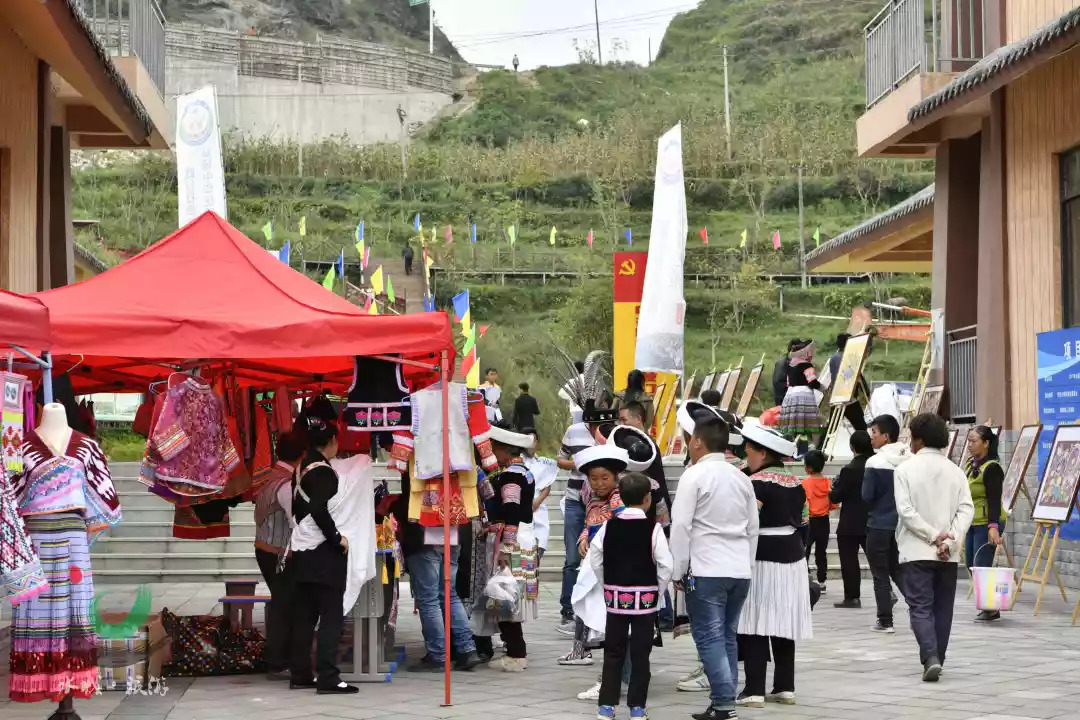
(628, 267)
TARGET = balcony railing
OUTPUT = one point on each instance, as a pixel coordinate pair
(129, 28)
(908, 37)
(963, 349)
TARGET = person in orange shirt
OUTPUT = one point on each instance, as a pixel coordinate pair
(817, 488)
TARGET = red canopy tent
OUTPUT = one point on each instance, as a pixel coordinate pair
(208, 293)
(24, 321)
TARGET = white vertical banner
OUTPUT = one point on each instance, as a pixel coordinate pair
(663, 307)
(200, 177)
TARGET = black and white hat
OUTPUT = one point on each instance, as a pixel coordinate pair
(510, 438)
(612, 457)
(592, 415)
(639, 448)
(769, 439)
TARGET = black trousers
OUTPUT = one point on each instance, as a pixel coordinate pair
(849, 545)
(930, 591)
(278, 610)
(513, 635)
(313, 604)
(818, 541)
(855, 415)
(624, 634)
(884, 559)
(755, 653)
(408, 266)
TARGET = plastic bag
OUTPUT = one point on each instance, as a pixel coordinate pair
(501, 594)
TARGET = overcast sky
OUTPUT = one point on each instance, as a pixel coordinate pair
(542, 32)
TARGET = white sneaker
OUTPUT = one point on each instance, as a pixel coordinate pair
(696, 681)
(566, 626)
(750, 701)
(571, 659)
(781, 698)
(592, 693)
(516, 665)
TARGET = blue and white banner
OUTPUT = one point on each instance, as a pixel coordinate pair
(1058, 374)
(200, 177)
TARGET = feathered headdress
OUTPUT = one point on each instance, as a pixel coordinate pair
(590, 387)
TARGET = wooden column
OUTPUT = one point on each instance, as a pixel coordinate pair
(61, 230)
(44, 169)
(993, 380)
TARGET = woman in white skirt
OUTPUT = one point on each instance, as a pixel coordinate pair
(777, 610)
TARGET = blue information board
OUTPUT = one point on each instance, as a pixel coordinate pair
(1058, 376)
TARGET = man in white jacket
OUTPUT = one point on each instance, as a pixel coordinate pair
(714, 534)
(935, 510)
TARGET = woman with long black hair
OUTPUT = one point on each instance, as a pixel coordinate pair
(318, 564)
(985, 480)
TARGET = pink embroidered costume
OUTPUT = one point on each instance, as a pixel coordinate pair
(62, 498)
(21, 576)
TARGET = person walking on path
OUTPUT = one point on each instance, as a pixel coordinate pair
(985, 480)
(817, 488)
(933, 502)
(714, 538)
(634, 576)
(877, 492)
(525, 410)
(516, 62)
(851, 530)
(407, 256)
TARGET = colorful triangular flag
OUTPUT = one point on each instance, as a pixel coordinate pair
(328, 281)
(474, 232)
(742, 242)
(341, 264)
(303, 225)
(512, 234)
(483, 329)
(390, 289)
(472, 379)
(268, 231)
(376, 281)
(416, 224)
(361, 251)
(589, 239)
(553, 233)
(705, 235)
(629, 237)
(285, 255)
(817, 237)
(460, 303)
(374, 309)
(470, 343)
(429, 303)
(776, 240)
(449, 234)
(360, 233)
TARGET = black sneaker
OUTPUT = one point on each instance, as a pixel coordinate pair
(987, 616)
(308, 684)
(467, 661)
(716, 714)
(426, 664)
(881, 627)
(931, 670)
(342, 688)
(854, 604)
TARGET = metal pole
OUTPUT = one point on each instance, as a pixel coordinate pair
(650, 53)
(802, 233)
(599, 50)
(431, 39)
(299, 139)
(445, 372)
(727, 106)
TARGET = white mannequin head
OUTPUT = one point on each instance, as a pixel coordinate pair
(54, 428)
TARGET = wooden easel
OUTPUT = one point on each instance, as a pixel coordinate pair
(1040, 561)
(836, 417)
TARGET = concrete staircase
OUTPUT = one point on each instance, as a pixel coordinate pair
(411, 287)
(141, 549)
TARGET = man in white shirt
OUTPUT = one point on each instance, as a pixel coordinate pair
(714, 533)
(935, 510)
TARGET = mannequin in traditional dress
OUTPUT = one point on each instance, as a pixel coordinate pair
(65, 494)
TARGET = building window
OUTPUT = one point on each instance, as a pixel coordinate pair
(1070, 238)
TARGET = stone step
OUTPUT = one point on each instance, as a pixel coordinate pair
(143, 577)
(209, 562)
(167, 546)
(163, 529)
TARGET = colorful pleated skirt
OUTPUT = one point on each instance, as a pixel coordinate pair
(53, 643)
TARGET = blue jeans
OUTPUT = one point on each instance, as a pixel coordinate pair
(714, 606)
(978, 536)
(426, 582)
(573, 524)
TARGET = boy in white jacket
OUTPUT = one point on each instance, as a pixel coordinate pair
(935, 510)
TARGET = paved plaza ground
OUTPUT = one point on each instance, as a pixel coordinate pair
(1022, 667)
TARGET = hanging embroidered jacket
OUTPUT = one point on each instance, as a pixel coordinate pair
(76, 481)
(189, 449)
(12, 421)
(378, 399)
(468, 423)
(21, 576)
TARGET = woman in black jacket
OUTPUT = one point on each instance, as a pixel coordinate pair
(851, 530)
(318, 563)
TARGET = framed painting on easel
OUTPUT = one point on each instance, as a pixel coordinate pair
(748, 393)
(846, 382)
(722, 381)
(953, 435)
(706, 384)
(1057, 493)
(729, 389)
(1018, 466)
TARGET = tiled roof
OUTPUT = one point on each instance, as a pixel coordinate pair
(75, 7)
(999, 61)
(918, 201)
